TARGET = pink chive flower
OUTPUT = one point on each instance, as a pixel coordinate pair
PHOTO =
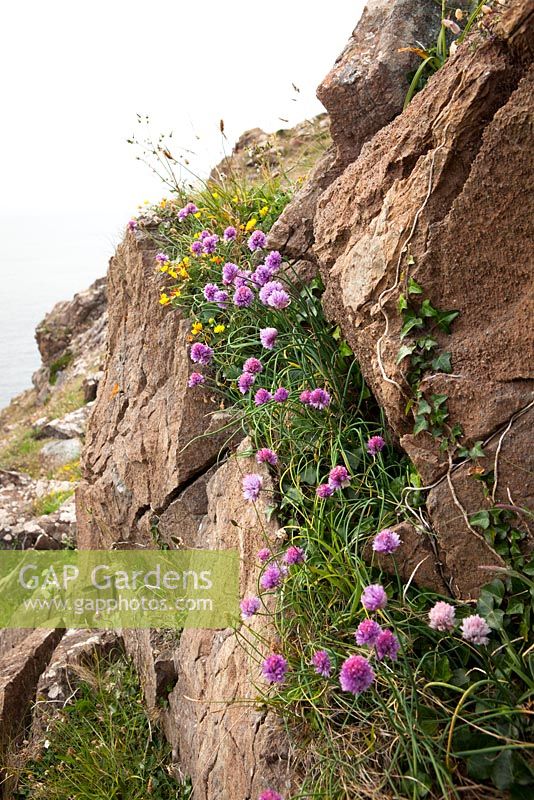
(374, 597)
(229, 233)
(201, 353)
(319, 398)
(274, 668)
(243, 297)
(264, 555)
(242, 278)
(279, 299)
(281, 395)
(475, 629)
(387, 645)
(257, 241)
(205, 235)
(221, 298)
(262, 396)
(322, 663)
(253, 365)
(162, 258)
(245, 382)
(267, 456)
(375, 445)
(195, 379)
(442, 616)
(304, 397)
(339, 478)
(273, 260)
(294, 555)
(356, 675)
(196, 248)
(261, 275)
(268, 337)
(249, 606)
(209, 244)
(267, 290)
(270, 794)
(272, 577)
(386, 542)
(252, 485)
(210, 291)
(184, 212)
(367, 632)
(324, 490)
(229, 273)
(132, 225)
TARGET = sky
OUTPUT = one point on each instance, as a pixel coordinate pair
(75, 76)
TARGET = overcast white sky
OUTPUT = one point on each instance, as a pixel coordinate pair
(75, 74)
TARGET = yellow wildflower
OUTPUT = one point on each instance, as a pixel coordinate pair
(196, 328)
(211, 321)
(215, 195)
(186, 260)
(219, 329)
(176, 293)
(264, 211)
(216, 260)
(198, 215)
(163, 203)
(251, 224)
(172, 273)
(164, 299)
(183, 273)
(235, 199)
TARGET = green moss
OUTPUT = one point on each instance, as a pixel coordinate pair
(21, 453)
(59, 364)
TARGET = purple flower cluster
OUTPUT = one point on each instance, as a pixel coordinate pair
(386, 542)
(272, 577)
(267, 456)
(442, 617)
(338, 478)
(257, 241)
(268, 337)
(262, 396)
(280, 395)
(253, 365)
(294, 555)
(195, 379)
(322, 663)
(274, 295)
(374, 597)
(475, 630)
(274, 668)
(356, 675)
(188, 209)
(249, 606)
(387, 645)
(245, 382)
(209, 243)
(162, 258)
(243, 297)
(196, 247)
(367, 632)
(375, 445)
(315, 398)
(252, 485)
(270, 794)
(201, 353)
(263, 555)
(132, 224)
(229, 234)
(229, 273)
(324, 490)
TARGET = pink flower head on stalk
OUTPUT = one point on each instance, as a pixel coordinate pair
(249, 606)
(279, 299)
(375, 445)
(196, 247)
(367, 632)
(270, 794)
(267, 290)
(374, 597)
(267, 456)
(261, 275)
(339, 478)
(322, 663)
(229, 234)
(195, 379)
(132, 225)
(162, 258)
(262, 396)
(268, 337)
(304, 397)
(386, 542)
(201, 353)
(229, 273)
(273, 261)
(245, 382)
(221, 298)
(324, 490)
(442, 616)
(252, 484)
(319, 398)
(257, 241)
(264, 555)
(242, 278)
(204, 235)
(475, 629)
(184, 212)
(387, 645)
(243, 297)
(281, 395)
(294, 555)
(209, 244)
(253, 365)
(274, 668)
(272, 577)
(210, 291)
(356, 675)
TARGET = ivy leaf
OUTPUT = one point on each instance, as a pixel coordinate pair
(477, 450)
(445, 319)
(344, 349)
(402, 303)
(481, 519)
(405, 350)
(423, 407)
(410, 324)
(442, 363)
(428, 310)
(414, 287)
(421, 424)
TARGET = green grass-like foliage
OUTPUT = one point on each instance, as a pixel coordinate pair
(102, 746)
(51, 502)
(447, 715)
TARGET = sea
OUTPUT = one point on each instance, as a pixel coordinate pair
(44, 259)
